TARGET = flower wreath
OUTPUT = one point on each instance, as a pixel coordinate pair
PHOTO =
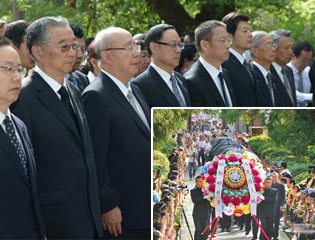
(235, 188)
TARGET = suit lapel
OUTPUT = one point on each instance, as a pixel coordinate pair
(121, 99)
(210, 85)
(12, 155)
(167, 94)
(53, 104)
(146, 109)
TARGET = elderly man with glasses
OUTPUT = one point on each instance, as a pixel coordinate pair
(208, 83)
(51, 108)
(119, 121)
(160, 84)
(263, 54)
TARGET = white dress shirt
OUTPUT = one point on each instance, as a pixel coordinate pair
(214, 72)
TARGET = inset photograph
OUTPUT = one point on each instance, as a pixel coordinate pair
(233, 174)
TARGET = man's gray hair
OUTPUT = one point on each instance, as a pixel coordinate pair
(276, 35)
(257, 36)
(205, 31)
(38, 31)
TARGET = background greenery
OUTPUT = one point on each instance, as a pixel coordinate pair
(139, 15)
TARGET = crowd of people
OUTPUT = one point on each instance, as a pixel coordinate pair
(86, 102)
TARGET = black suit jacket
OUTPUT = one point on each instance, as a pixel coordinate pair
(263, 95)
(244, 85)
(201, 205)
(64, 155)
(202, 89)
(20, 215)
(282, 97)
(122, 151)
(156, 91)
(281, 195)
(78, 79)
(268, 206)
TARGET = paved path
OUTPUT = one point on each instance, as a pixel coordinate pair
(235, 233)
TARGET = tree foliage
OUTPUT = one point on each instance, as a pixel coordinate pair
(138, 16)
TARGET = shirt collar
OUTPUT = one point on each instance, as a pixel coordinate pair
(119, 84)
(277, 67)
(49, 80)
(213, 71)
(239, 57)
(164, 75)
(291, 65)
(2, 116)
(262, 69)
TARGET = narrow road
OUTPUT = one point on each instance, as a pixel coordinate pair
(235, 233)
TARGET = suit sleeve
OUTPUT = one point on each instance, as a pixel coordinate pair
(98, 116)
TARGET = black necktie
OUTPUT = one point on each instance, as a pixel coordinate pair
(269, 79)
(223, 89)
(16, 143)
(65, 99)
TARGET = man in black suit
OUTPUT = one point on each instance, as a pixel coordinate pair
(201, 210)
(239, 27)
(119, 120)
(280, 202)
(160, 84)
(285, 89)
(20, 215)
(208, 84)
(267, 209)
(53, 112)
(263, 54)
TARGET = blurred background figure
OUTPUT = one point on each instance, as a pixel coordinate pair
(3, 26)
(16, 32)
(92, 62)
(144, 60)
(188, 57)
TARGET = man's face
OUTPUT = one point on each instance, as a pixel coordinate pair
(265, 52)
(165, 56)
(125, 62)
(304, 60)
(267, 184)
(144, 61)
(284, 51)
(25, 56)
(10, 82)
(274, 178)
(80, 53)
(199, 183)
(54, 56)
(242, 39)
(217, 47)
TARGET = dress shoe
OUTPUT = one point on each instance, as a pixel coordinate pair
(246, 233)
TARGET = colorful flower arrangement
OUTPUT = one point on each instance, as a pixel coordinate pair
(235, 190)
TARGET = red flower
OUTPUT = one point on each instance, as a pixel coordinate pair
(210, 179)
(215, 164)
(257, 179)
(211, 171)
(257, 187)
(251, 165)
(255, 171)
(202, 176)
(226, 199)
(236, 201)
(233, 158)
(211, 187)
(245, 199)
(221, 156)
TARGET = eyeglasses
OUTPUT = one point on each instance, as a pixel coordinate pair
(271, 45)
(227, 41)
(173, 45)
(65, 48)
(133, 49)
(11, 70)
